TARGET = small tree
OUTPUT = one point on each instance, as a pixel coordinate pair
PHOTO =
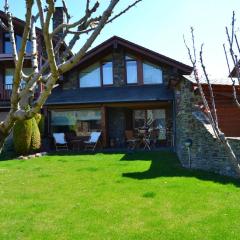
(55, 65)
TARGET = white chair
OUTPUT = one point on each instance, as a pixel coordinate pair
(93, 141)
(60, 142)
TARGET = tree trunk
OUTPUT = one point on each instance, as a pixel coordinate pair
(5, 129)
(2, 140)
(233, 158)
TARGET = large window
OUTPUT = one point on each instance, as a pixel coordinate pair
(18, 39)
(90, 77)
(155, 119)
(131, 70)
(80, 122)
(8, 79)
(107, 69)
(152, 74)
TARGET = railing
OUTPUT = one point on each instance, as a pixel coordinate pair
(6, 91)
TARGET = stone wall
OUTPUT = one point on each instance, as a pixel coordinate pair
(117, 126)
(118, 68)
(206, 152)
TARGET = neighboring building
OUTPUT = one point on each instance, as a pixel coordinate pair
(121, 86)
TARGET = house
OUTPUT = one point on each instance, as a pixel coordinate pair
(120, 86)
(117, 86)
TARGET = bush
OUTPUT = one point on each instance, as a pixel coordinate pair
(41, 125)
(38, 117)
(36, 137)
(22, 136)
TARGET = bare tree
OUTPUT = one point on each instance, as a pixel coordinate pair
(55, 65)
(232, 53)
(209, 103)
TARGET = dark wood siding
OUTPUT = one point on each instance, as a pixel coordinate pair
(227, 111)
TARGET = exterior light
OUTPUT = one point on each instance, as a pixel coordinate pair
(188, 144)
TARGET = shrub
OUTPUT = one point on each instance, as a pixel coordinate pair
(36, 136)
(38, 117)
(22, 136)
(41, 125)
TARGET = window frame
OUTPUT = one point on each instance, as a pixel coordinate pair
(146, 62)
(100, 63)
(101, 73)
(79, 74)
(125, 67)
(16, 35)
(140, 75)
(4, 78)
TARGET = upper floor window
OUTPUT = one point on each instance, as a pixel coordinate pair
(107, 70)
(152, 74)
(90, 77)
(97, 74)
(18, 39)
(131, 70)
(8, 79)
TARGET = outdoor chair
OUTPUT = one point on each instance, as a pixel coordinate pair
(60, 142)
(91, 144)
(131, 141)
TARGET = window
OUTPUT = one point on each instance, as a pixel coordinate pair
(8, 45)
(90, 77)
(131, 70)
(19, 42)
(107, 70)
(8, 80)
(152, 74)
(154, 118)
(80, 122)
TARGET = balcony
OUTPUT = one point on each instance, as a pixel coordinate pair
(5, 92)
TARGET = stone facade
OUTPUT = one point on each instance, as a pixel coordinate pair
(117, 122)
(206, 152)
(71, 79)
(118, 68)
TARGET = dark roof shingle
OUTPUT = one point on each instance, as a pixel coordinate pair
(110, 95)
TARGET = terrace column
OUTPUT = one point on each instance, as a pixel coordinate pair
(104, 126)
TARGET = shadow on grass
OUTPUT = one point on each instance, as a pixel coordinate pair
(166, 164)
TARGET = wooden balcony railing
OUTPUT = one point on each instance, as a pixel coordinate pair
(6, 91)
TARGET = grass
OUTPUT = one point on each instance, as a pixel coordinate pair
(115, 196)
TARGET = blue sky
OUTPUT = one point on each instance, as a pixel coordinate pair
(160, 25)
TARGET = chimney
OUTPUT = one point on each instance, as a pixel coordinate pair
(59, 17)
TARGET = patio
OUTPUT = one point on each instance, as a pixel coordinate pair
(137, 126)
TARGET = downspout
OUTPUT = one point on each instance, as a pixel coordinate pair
(174, 121)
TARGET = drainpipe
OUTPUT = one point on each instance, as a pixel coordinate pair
(174, 123)
(188, 144)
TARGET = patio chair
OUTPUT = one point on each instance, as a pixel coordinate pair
(131, 141)
(60, 142)
(93, 141)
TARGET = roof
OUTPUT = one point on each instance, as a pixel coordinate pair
(110, 95)
(114, 41)
(213, 81)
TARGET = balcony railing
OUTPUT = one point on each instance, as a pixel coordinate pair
(6, 91)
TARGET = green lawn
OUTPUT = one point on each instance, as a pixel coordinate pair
(115, 196)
